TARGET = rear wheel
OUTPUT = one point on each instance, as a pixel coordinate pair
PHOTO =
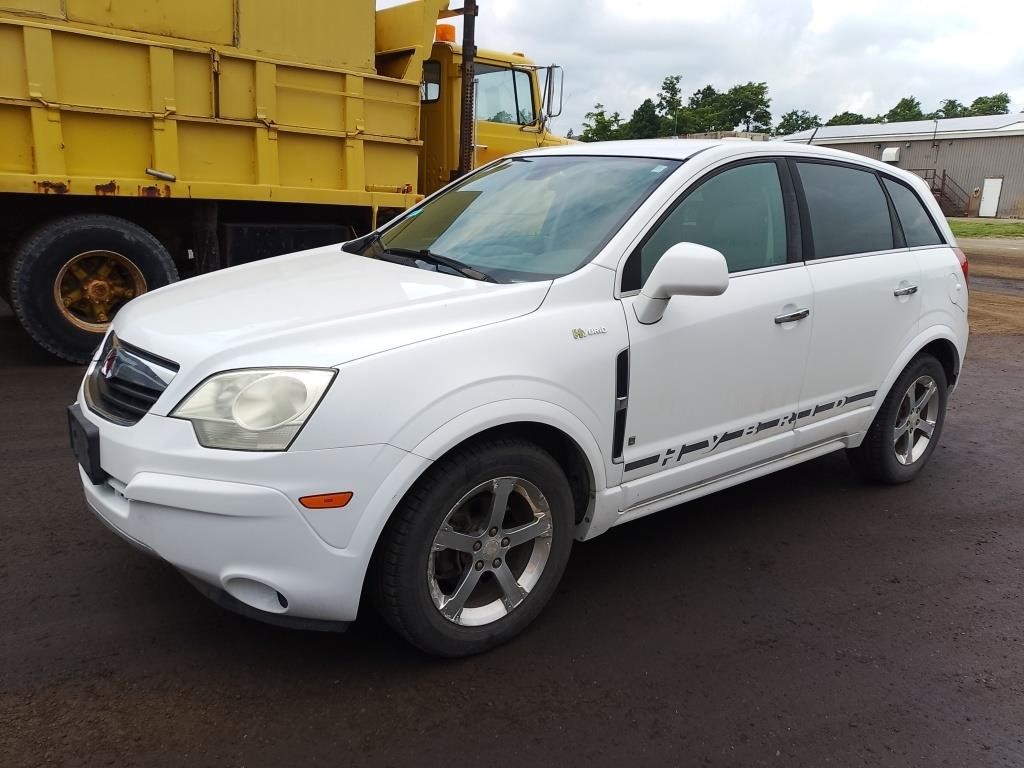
(476, 549)
(68, 278)
(907, 427)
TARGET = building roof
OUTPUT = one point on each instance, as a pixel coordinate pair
(947, 128)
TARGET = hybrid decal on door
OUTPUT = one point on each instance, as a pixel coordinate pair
(675, 455)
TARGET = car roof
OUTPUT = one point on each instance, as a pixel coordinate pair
(683, 149)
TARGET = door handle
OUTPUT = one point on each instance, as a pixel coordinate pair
(792, 317)
(910, 290)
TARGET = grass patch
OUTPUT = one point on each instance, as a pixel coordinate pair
(986, 228)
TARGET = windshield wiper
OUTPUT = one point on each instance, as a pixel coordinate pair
(444, 261)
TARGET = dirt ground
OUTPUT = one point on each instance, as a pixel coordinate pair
(997, 290)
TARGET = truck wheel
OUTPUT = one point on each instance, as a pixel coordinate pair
(69, 277)
(907, 427)
(475, 549)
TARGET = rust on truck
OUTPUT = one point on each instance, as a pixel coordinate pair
(155, 190)
(56, 187)
(110, 188)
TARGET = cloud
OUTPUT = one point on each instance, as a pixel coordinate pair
(825, 56)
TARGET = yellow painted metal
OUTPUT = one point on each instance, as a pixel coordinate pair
(209, 21)
(301, 101)
(51, 8)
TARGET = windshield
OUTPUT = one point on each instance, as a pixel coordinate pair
(530, 218)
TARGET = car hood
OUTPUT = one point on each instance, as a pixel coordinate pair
(321, 308)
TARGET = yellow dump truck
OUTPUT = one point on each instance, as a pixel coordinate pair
(141, 141)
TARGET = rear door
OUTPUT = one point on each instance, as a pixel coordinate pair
(867, 301)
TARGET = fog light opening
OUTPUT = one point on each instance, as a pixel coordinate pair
(256, 594)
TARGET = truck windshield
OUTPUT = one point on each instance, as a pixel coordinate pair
(530, 218)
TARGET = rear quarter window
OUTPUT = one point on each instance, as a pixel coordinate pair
(918, 227)
(847, 209)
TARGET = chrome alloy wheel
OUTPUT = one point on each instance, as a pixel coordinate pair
(490, 551)
(916, 419)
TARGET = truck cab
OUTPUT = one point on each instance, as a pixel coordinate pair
(513, 96)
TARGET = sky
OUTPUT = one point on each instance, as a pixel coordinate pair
(820, 55)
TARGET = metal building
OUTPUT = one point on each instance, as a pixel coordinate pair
(975, 165)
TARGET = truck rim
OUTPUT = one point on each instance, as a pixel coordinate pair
(490, 551)
(93, 285)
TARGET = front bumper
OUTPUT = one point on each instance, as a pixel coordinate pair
(231, 520)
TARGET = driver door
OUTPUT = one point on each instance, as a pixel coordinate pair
(505, 103)
(714, 384)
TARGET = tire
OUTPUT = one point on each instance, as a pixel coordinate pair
(451, 601)
(887, 456)
(43, 269)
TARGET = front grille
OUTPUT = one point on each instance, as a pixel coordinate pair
(126, 382)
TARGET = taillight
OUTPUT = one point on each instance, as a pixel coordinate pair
(962, 258)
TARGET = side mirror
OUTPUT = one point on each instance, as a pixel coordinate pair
(551, 95)
(686, 269)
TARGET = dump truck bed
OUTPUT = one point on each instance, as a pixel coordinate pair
(212, 99)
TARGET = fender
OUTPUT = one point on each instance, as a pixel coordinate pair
(925, 337)
(451, 434)
(498, 413)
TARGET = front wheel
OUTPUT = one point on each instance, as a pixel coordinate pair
(476, 548)
(907, 427)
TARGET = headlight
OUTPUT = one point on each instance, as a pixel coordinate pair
(253, 410)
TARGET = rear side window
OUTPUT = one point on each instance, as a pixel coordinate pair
(847, 208)
(918, 228)
(738, 212)
(430, 87)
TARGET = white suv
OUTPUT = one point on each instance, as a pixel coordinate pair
(563, 341)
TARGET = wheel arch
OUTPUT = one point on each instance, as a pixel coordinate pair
(551, 427)
(938, 341)
(555, 430)
(560, 433)
(945, 352)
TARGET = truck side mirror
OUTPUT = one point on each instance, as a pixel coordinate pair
(554, 81)
(686, 269)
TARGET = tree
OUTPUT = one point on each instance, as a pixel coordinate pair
(644, 124)
(908, 108)
(669, 106)
(795, 121)
(999, 104)
(847, 118)
(950, 108)
(709, 111)
(748, 105)
(597, 126)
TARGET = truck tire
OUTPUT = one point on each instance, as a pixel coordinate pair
(70, 276)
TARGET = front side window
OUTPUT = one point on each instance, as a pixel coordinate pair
(530, 218)
(847, 208)
(918, 228)
(738, 211)
(503, 95)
